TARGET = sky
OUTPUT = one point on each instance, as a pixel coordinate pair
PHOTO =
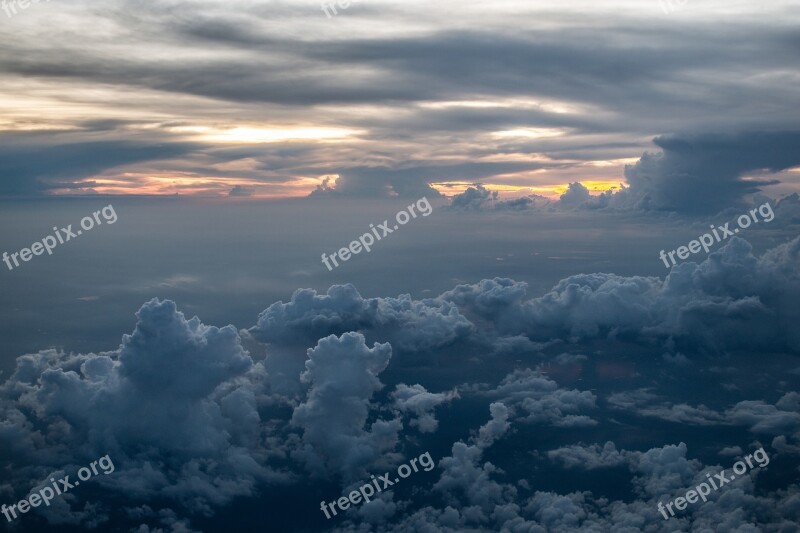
(272, 98)
(581, 304)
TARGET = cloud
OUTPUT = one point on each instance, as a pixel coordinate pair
(239, 190)
(343, 373)
(473, 198)
(377, 182)
(193, 422)
(477, 499)
(496, 428)
(662, 471)
(172, 407)
(210, 356)
(479, 198)
(762, 417)
(732, 300)
(694, 174)
(428, 114)
(418, 401)
(409, 325)
(33, 167)
(589, 457)
(731, 451)
(705, 173)
(523, 203)
(757, 415)
(540, 400)
(462, 473)
(577, 195)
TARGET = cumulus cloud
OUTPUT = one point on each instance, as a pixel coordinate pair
(409, 325)
(376, 182)
(704, 173)
(463, 475)
(343, 373)
(477, 499)
(577, 195)
(181, 406)
(523, 203)
(498, 300)
(171, 407)
(480, 198)
(589, 457)
(421, 403)
(540, 400)
(495, 428)
(732, 300)
(693, 174)
(474, 198)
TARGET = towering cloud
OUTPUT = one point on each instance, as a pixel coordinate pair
(343, 373)
(705, 173)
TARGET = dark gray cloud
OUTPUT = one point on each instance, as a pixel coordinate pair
(239, 190)
(410, 325)
(539, 400)
(418, 401)
(589, 457)
(280, 63)
(473, 198)
(36, 165)
(698, 306)
(378, 182)
(342, 372)
(479, 198)
(704, 173)
(169, 396)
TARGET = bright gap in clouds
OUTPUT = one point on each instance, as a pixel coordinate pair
(271, 135)
(529, 133)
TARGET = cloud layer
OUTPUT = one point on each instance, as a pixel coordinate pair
(193, 421)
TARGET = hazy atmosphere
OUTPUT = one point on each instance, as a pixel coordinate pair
(377, 266)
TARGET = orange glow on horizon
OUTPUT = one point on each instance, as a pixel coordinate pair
(183, 184)
(551, 191)
(134, 184)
